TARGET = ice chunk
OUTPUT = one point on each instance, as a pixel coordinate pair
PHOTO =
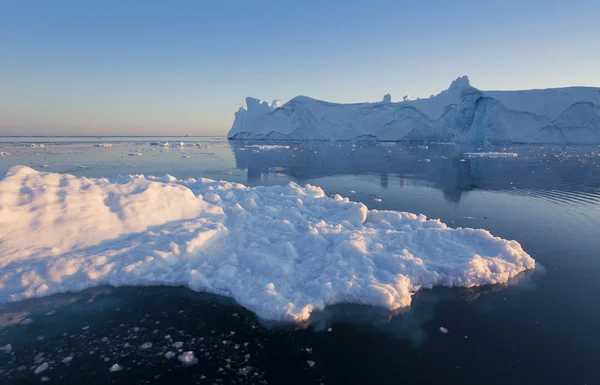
(146, 345)
(103, 145)
(115, 368)
(169, 355)
(69, 233)
(187, 358)
(42, 368)
(6, 348)
(67, 360)
(444, 330)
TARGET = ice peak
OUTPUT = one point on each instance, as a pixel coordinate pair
(460, 83)
(387, 98)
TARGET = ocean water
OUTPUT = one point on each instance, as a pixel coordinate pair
(539, 329)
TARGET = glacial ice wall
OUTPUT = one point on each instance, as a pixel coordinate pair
(462, 113)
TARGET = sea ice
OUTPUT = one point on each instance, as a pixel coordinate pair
(187, 358)
(103, 145)
(115, 368)
(490, 154)
(40, 369)
(280, 251)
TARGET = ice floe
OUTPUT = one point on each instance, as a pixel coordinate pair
(280, 251)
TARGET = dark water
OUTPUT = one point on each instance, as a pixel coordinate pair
(539, 329)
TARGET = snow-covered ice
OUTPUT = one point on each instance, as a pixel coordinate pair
(280, 251)
(461, 113)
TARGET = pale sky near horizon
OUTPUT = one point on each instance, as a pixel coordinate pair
(174, 68)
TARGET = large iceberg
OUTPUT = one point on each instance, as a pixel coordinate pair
(462, 113)
(280, 251)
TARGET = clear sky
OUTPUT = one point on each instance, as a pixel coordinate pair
(78, 67)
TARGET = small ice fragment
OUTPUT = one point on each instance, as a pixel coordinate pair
(42, 368)
(444, 330)
(136, 329)
(329, 329)
(135, 154)
(310, 363)
(51, 312)
(378, 200)
(27, 321)
(187, 358)
(103, 145)
(146, 345)
(67, 360)
(44, 379)
(85, 328)
(6, 348)
(40, 338)
(186, 157)
(115, 368)
(177, 344)
(45, 166)
(169, 355)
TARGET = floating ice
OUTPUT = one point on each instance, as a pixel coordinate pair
(461, 113)
(2, 153)
(444, 330)
(170, 355)
(40, 369)
(187, 358)
(135, 154)
(266, 147)
(115, 368)
(160, 144)
(490, 154)
(146, 345)
(280, 251)
(103, 145)
(67, 360)
(6, 348)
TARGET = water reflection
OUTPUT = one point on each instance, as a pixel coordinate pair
(551, 172)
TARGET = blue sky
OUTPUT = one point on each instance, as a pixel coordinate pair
(173, 67)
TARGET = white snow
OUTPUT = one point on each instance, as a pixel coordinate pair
(461, 113)
(490, 154)
(280, 251)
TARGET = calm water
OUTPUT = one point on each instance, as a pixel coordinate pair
(540, 329)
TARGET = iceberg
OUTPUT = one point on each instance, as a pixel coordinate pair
(280, 251)
(462, 114)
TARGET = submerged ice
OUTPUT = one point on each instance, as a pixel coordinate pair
(280, 251)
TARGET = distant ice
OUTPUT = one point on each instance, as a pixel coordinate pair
(490, 155)
(266, 147)
(160, 144)
(103, 145)
(280, 251)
